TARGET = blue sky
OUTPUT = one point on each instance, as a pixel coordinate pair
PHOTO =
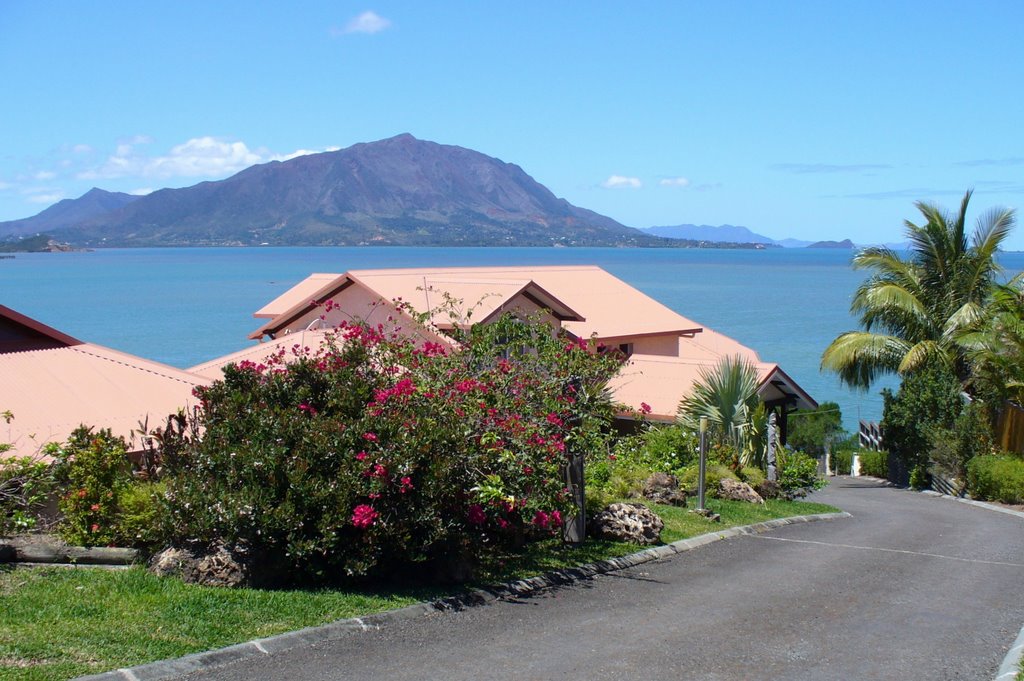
(797, 119)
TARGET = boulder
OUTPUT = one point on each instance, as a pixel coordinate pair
(662, 488)
(738, 491)
(633, 523)
(216, 565)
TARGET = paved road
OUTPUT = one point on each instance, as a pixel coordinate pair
(910, 587)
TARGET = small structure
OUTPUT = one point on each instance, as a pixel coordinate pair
(52, 383)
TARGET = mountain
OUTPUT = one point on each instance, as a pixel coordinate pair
(68, 213)
(726, 233)
(395, 191)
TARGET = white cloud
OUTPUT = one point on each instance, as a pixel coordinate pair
(674, 182)
(367, 22)
(6, 185)
(622, 182)
(44, 175)
(197, 157)
(141, 191)
(45, 198)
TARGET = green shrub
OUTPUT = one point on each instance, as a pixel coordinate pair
(919, 478)
(752, 476)
(996, 478)
(713, 475)
(25, 485)
(141, 509)
(798, 474)
(94, 471)
(874, 463)
(842, 462)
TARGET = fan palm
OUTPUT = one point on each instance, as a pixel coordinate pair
(913, 309)
(727, 396)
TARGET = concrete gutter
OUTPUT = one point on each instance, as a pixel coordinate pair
(328, 632)
(1010, 667)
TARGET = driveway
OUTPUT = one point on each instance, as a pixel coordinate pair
(910, 587)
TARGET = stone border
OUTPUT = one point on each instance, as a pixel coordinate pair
(1011, 666)
(335, 630)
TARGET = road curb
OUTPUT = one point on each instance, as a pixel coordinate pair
(327, 632)
(973, 502)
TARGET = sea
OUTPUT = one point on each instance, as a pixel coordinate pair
(183, 306)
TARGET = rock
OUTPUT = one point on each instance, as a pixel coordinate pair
(769, 489)
(218, 565)
(634, 523)
(662, 488)
(738, 491)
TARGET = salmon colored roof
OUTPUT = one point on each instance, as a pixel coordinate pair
(258, 353)
(662, 382)
(606, 306)
(475, 296)
(303, 292)
(54, 389)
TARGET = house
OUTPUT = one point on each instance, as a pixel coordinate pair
(52, 383)
(666, 350)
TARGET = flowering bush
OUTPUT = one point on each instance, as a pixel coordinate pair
(93, 471)
(377, 450)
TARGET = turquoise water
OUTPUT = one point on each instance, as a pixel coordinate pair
(185, 306)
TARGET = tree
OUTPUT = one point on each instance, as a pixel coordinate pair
(809, 429)
(913, 310)
(727, 396)
(995, 346)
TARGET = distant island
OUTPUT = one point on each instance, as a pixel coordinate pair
(397, 191)
(40, 243)
(845, 243)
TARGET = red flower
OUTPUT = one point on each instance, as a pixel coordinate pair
(406, 484)
(370, 437)
(364, 516)
(556, 518)
(94, 507)
(361, 456)
(476, 515)
(645, 408)
(95, 527)
(541, 519)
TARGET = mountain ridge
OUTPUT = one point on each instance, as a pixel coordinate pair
(397, 191)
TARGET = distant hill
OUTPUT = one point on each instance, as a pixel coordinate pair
(40, 243)
(725, 233)
(69, 213)
(845, 243)
(395, 191)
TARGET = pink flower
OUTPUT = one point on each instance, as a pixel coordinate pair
(541, 519)
(364, 515)
(554, 420)
(95, 527)
(378, 471)
(370, 437)
(645, 408)
(556, 518)
(94, 507)
(406, 483)
(476, 515)
(361, 456)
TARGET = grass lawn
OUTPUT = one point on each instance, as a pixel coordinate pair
(56, 623)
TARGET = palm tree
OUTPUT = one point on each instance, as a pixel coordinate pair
(995, 347)
(913, 309)
(727, 396)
